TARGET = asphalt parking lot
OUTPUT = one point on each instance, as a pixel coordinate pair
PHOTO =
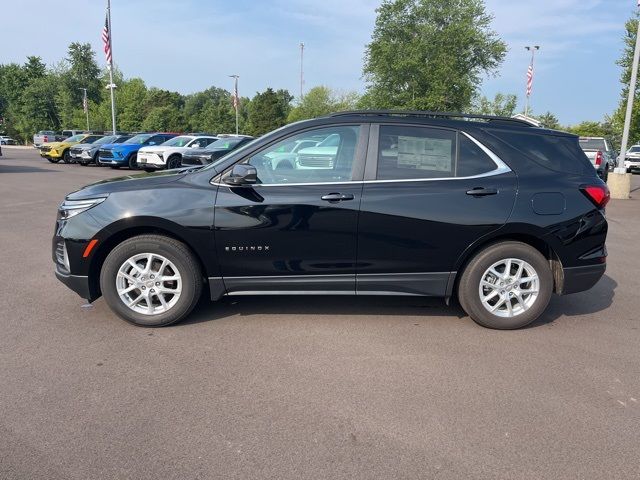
(306, 387)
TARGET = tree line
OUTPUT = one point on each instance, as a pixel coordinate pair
(423, 55)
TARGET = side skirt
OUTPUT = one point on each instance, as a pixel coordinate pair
(436, 284)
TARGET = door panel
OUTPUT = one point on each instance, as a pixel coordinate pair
(287, 231)
(296, 229)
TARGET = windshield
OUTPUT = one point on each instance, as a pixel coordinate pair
(634, 149)
(593, 144)
(91, 138)
(177, 142)
(224, 144)
(107, 139)
(75, 138)
(139, 139)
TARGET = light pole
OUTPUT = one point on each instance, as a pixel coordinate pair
(85, 106)
(301, 70)
(621, 185)
(532, 49)
(236, 100)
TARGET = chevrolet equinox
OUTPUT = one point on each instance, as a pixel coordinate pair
(492, 211)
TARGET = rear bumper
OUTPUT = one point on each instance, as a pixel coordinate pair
(77, 283)
(579, 279)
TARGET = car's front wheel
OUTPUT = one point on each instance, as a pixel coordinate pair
(151, 280)
(506, 286)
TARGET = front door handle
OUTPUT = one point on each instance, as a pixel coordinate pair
(337, 197)
(481, 191)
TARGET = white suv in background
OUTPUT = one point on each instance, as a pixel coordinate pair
(632, 159)
(169, 154)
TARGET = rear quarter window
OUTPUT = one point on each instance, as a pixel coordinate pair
(559, 153)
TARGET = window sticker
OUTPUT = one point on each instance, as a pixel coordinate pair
(425, 153)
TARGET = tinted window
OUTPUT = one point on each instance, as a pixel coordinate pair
(593, 144)
(329, 163)
(558, 153)
(471, 159)
(91, 138)
(415, 152)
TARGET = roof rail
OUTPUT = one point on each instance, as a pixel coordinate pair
(427, 114)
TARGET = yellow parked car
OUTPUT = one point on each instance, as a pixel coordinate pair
(56, 151)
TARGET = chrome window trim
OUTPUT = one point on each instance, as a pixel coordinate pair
(501, 168)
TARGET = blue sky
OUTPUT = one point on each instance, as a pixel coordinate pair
(190, 45)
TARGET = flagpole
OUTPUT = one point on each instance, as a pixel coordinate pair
(110, 67)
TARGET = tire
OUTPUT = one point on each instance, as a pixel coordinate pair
(133, 161)
(469, 287)
(180, 262)
(174, 161)
(66, 156)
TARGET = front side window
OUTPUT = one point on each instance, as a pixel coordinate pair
(177, 141)
(317, 163)
(415, 152)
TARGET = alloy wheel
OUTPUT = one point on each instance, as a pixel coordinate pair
(509, 287)
(148, 283)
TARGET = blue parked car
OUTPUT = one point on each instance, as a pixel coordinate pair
(125, 154)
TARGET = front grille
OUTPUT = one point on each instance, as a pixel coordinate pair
(76, 150)
(106, 153)
(45, 148)
(316, 161)
(61, 257)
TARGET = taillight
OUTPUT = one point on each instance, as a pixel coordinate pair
(46, 139)
(598, 194)
(598, 159)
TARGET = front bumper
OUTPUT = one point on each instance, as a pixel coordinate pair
(150, 160)
(111, 161)
(77, 283)
(579, 279)
(632, 164)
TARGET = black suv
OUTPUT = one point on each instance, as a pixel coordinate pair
(490, 210)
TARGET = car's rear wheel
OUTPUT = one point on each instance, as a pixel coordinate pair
(173, 162)
(506, 286)
(151, 280)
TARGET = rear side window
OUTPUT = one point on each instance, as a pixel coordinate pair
(472, 160)
(559, 153)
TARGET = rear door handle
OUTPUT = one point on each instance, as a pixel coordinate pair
(481, 191)
(337, 197)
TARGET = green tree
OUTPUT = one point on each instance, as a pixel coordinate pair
(268, 110)
(130, 95)
(164, 118)
(501, 105)
(549, 120)
(430, 54)
(320, 101)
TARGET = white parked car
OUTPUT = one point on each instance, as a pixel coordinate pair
(169, 154)
(4, 140)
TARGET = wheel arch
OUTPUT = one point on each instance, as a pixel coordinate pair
(530, 239)
(114, 237)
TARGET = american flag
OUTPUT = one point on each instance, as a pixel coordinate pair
(235, 98)
(106, 39)
(529, 80)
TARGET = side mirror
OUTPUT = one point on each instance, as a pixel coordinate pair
(242, 174)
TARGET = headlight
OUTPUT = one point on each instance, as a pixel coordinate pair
(71, 208)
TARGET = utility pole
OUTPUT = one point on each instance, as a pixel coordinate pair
(85, 106)
(532, 49)
(236, 99)
(301, 70)
(621, 188)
